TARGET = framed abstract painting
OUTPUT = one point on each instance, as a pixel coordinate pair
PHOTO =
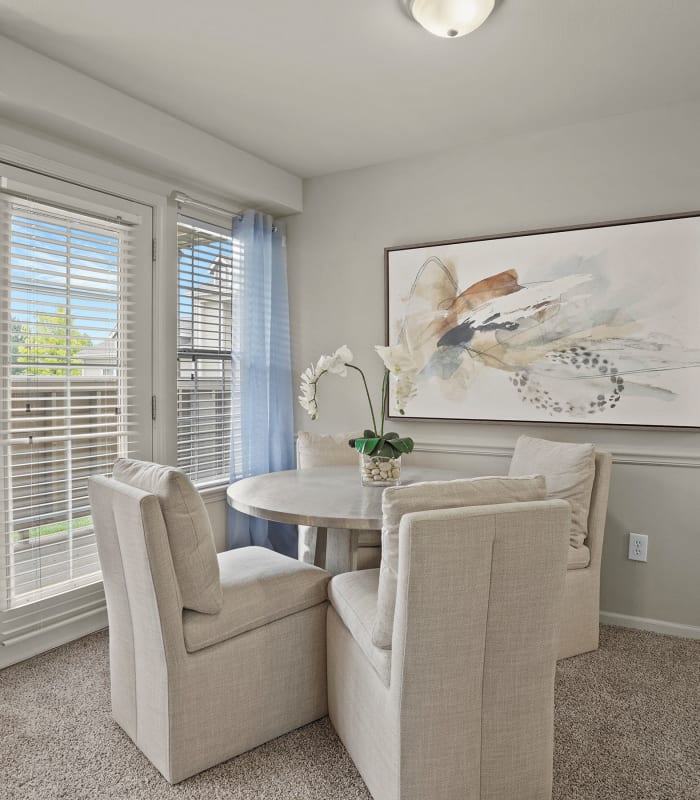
(596, 324)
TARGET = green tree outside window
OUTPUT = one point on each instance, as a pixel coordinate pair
(53, 339)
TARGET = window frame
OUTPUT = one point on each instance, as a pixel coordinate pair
(218, 224)
(84, 605)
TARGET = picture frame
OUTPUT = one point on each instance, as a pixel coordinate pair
(595, 324)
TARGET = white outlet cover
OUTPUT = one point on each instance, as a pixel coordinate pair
(638, 547)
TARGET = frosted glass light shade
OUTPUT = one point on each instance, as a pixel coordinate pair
(450, 18)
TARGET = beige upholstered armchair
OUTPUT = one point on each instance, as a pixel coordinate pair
(441, 664)
(209, 656)
(579, 627)
(580, 475)
(345, 550)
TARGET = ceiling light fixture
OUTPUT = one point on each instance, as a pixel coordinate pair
(449, 18)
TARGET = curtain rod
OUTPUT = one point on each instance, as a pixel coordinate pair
(184, 199)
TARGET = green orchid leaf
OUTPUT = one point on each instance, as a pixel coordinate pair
(368, 434)
(351, 442)
(388, 446)
(367, 446)
(402, 445)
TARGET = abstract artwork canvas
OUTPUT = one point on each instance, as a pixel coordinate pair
(596, 325)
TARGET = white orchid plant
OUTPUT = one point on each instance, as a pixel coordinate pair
(374, 442)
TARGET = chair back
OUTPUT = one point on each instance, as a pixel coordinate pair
(143, 601)
(325, 450)
(474, 648)
(598, 508)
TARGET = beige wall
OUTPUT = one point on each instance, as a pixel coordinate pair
(621, 167)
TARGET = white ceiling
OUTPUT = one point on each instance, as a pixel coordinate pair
(317, 86)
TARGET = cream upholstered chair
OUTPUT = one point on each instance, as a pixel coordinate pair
(345, 550)
(209, 656)
(580, 617)
(579, 474)
(441, 668)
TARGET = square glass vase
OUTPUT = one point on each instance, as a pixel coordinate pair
(380, 470)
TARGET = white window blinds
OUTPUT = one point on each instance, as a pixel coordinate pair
(65, 401)
(208, 258)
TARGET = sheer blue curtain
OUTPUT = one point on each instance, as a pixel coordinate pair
(262, 424)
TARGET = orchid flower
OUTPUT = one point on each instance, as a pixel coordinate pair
(397, 361)
(401, 365)
(337, 364)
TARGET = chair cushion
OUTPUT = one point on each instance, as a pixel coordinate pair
(189, 530)
(578, 557)
(259, 586)
(354, 596)
(325, 450)
(569, 470)
(430, 496)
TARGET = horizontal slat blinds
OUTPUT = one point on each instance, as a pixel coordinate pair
(65, 339)
(207, 259)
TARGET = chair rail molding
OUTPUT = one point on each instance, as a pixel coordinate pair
(633, 457)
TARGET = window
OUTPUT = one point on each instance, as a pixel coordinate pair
(208, 259)
(67, 408)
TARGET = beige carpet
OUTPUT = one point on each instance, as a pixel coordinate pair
(627, 728)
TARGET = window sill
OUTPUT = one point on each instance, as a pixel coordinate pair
(213, 494)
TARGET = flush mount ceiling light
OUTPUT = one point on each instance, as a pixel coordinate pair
(449, 18)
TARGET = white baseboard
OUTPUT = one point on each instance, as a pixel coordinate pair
(655, 625)
(53, 637)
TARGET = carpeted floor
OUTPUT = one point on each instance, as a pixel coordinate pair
(627, 728)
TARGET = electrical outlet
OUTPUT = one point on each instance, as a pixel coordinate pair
(638, 547)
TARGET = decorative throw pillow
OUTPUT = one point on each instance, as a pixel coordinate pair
(189, 530)
(430, 496)
(569, 470)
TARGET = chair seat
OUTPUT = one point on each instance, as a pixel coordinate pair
(354, 597)
(259, 586)
(578, 557)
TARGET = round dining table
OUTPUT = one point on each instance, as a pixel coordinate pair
(323, 497)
